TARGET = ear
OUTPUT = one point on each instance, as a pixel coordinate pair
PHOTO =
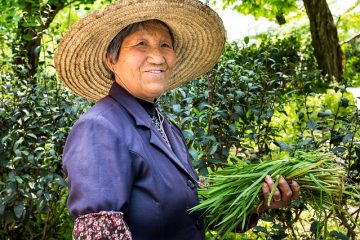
(109, 64)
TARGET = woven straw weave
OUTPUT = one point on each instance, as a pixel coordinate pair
(198, 31)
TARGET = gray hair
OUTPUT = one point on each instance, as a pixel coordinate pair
(113, 50)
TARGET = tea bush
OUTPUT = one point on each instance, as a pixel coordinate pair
(260, 101)
(34, 122)
(257, 101)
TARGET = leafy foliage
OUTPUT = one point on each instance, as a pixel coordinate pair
(257, 102)
(260, 102)
(34, 122)
(36, 114)
(352, 70)
(271, 9)
(232, 106)
(234, 193)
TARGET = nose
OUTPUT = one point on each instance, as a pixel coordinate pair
(156, 56)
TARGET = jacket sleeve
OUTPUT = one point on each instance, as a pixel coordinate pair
(98, 167)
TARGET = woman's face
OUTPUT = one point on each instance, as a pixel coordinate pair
(146, 61)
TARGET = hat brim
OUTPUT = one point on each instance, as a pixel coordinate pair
(198, 31)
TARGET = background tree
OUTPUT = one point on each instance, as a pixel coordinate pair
(30, 20)
(324, 33)
(325, 38)
(35, 19)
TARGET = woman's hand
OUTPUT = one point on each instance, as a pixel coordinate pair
(283, 195)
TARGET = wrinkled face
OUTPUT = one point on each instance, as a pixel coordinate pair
(146, 61)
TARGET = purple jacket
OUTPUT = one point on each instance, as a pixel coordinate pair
(116, 160)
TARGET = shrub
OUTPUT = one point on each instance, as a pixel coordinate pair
(256, 103)
(259, 101)
(34, 122)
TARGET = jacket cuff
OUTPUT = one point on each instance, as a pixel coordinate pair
(102, 225)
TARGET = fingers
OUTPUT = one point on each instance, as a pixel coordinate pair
(295, 188)
(266, 192)
(283, 194)
(285, 189)
(270, 183)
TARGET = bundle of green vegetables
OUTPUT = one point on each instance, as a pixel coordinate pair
(234, 192)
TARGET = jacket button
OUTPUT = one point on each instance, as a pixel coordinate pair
(190, 184)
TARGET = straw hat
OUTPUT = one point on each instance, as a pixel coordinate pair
(81, 56)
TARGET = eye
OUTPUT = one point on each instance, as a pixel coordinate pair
(141, 43)
(166, 45)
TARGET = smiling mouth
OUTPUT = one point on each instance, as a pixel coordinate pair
(155, 71)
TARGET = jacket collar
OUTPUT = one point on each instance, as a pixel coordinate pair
(134, 108)
(131, 105)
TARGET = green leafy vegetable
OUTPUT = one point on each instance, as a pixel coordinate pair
(234, 192)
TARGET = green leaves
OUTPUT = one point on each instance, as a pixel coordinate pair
(32, 188)
(338, 235)
(283, 146)
(311, 124)
(19, 210)
(246, 40)
(269, 9)
(262, 102)
(233, 107)
(326, 113)
(2, 209)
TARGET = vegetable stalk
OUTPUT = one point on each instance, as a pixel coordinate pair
(234, 192)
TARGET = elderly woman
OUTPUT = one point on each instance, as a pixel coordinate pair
(127, 166)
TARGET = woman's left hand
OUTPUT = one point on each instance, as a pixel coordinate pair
(283, 195)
